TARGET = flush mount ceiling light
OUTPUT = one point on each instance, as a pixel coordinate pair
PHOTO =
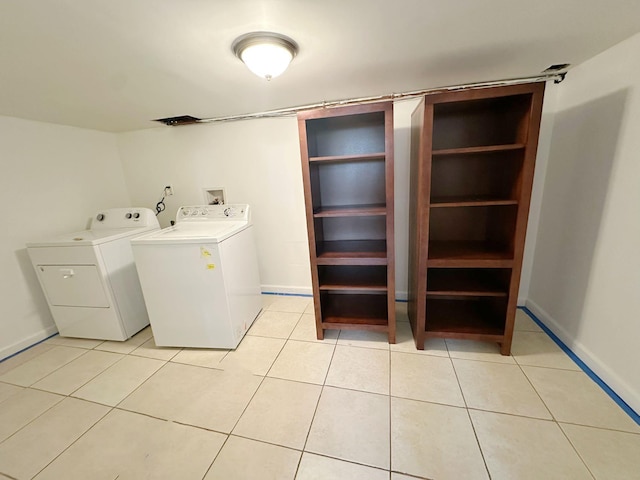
(266, 54)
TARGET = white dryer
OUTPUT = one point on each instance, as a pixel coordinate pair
(89, 278)
(200, 277)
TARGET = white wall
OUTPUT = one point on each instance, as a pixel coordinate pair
(585, 283)
(53, 179)
(256, 161)
(544, 145)
(402, 111)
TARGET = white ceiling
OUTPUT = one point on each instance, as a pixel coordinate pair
(115, 65)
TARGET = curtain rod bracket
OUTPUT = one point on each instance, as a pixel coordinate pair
(560, 78)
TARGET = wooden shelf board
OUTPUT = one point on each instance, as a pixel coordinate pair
(463, 282)
(352, 252)
(349, 158)
(479, 149)
(470, 201)
(348, 323)
(488, 337)
(470, 262)
(467, 317)
(469, 254)
(464, 293)
(354, 309)
(344, 278)
(350, 210)
(353, 288)
(362, 260)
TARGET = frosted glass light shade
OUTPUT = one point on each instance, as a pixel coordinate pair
(266, 54)
(266, 60)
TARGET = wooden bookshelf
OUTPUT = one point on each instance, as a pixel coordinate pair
(472, 162)
(347, 166)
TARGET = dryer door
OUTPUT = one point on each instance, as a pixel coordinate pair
(73, 285)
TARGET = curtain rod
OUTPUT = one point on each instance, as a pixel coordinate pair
(557, 77)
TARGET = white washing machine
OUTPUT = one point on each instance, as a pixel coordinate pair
(200, 277)
(89, 278)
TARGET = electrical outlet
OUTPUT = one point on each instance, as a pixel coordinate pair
(168, 190)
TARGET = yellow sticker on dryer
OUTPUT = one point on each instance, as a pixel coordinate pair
(204, 252)
(211, 266)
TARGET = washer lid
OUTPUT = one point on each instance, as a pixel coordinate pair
(90, 237)
(210, 232)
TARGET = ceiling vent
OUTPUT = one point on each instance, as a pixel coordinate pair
(556, 67)
(177, 121)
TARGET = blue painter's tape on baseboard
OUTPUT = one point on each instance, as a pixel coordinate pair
(583, 366)
(307, 295)
(27, 348)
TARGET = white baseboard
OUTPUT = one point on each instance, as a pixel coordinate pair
(27, 342)
(628, 394)
(402, 296)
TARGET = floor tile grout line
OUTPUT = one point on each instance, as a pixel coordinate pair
(321, 388)
(635, 416)
(245, 437)
(612, 430)
(410, 475)
(85, 351)
(495, 362)
(475, 434)
(240, 416)
(276, 357)
(16, 393)
(455, 374)
(446, 345)
(215, 457)
(8, 476)
(110, 409)
(74, 391)
(537, 393)
(351, 462)
(576, 450)
(141, 383)
(36, 417)
(315, 410)
(249, 402)
(473, 427)
(508, 414)
(218, 368)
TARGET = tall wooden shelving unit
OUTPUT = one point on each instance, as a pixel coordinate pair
(472, 161)
(347, 167)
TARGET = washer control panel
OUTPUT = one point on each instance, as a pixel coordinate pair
(237, 212)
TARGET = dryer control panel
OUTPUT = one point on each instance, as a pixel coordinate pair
(198, 213)
(132, 217)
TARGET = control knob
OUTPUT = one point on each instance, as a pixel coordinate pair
(128, 215)
(136, 215)
(100, 217)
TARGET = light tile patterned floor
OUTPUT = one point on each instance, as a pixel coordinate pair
(285, 406)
